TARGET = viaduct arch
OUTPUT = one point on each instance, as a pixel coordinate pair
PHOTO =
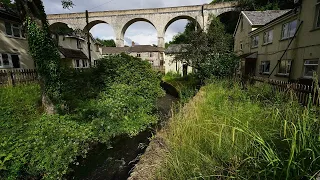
(160, 18)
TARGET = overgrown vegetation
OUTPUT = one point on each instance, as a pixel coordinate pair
(116, 98)
(229, 133)
(261, 5)
(186, 86)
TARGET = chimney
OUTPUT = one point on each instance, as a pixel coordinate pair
(133, 43)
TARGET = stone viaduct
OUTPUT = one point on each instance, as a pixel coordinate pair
(160, 18)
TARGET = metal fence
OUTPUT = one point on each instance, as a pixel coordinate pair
(304, 93)
(18, 76)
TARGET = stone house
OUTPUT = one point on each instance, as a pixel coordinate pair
(248, 22)
(175, 67)
(14, 46)
(288, 47)
(154, 55)
(74, 50)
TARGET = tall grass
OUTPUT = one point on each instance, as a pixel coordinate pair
(229, 133)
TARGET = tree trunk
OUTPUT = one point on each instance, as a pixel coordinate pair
(44, 52)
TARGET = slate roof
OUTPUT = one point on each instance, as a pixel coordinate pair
(72, 53)
(176, 48)
(114, 50)
(136, 48)
(260, 18)
(145, 48)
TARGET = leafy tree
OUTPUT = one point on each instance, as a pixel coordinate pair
(262, 4)
(107, 43)
(183, 38)
(209, 53)
(43, 50)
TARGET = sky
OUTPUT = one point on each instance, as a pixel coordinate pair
(139, 32)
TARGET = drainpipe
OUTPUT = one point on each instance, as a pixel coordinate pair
(88, 38)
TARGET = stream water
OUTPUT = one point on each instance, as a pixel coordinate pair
(116, 162)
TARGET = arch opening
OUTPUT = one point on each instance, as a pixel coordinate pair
(102, 32)
(60, 28)
(139, 32)
(188, 18)
(230, 20)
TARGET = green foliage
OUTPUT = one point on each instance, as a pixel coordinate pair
(186, 86)
(260, 5)
(107, 43)
(47, 59)
(228, 133)
(213, 55)
(184, 37)
(116, 98)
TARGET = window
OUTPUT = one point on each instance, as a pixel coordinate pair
(265, 67)
(9, 61)
(95, 62)
(285, 67)
(77, 63)
(138, 55)
(317, 21)
(79, 44)
(268, 37)
(241, 46)
(151, 54)
(310, 67)
(289, 29)
(85, 63)
(255, 41)
(13, 30)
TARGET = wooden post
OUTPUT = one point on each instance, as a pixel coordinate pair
(12, 78)
(88, 38)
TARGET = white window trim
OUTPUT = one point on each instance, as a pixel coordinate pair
(264, 35)
(10, 61)
(304, 66)
(11, 26)
(289, 60)
(253, 40)
(262, 70)
(288, 32)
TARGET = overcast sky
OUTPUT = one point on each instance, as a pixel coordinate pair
(140, 32)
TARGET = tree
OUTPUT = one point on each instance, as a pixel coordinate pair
(43, 50)
(183, 38)
(209, 53)
(262, 4)
(107, 43)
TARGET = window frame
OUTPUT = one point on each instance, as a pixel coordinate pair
(305, 64)
(255, 39)
(2, 66)
(262, 70)
(266, 40)
(317, 16)
(288, 29)
(287, 70)
(13, 26)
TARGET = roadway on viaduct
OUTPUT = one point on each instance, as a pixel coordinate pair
(160, 18)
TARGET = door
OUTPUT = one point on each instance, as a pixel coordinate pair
(250, 67)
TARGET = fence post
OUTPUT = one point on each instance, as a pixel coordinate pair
(12, 78)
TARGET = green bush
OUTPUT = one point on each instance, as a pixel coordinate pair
(229, 133)
(116, 98)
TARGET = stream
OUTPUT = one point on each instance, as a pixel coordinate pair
(116, 162)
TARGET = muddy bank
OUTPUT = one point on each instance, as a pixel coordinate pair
(116, 161)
